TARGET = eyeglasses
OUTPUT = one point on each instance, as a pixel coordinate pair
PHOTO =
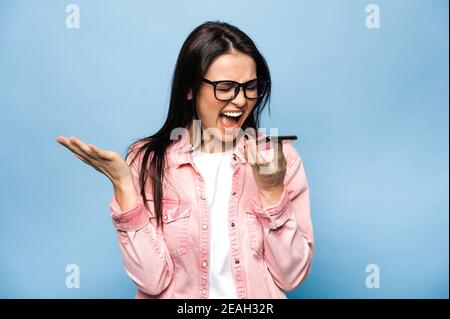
(227, 90)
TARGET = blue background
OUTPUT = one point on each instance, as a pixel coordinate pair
(370, 107)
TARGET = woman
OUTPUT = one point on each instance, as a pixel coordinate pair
(209, 215)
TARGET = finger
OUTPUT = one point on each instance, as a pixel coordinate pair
(67, 143)
(87, 152)
(278, 147)
(103, 154)
(256, 155)
(60, 139)
(256, 151)
(250, 152)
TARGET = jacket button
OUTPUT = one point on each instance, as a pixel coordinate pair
(204, 263)
(234, 193)
(116, 220)
(236, 261)
(232, 224)
(203, 197)
(165, 217)
(205, 227)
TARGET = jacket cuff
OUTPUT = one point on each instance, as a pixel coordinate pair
(273, 216)
(131, 220)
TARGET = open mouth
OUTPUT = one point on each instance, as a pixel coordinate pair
(230, 119)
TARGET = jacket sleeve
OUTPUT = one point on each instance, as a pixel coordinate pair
(287, 226)
(145, 256)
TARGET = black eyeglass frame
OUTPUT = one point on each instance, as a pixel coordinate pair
(237, 88)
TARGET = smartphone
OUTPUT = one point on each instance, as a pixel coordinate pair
(276, 138)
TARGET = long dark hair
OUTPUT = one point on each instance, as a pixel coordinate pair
(202, 46)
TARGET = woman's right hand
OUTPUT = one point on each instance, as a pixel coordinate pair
(109, 163)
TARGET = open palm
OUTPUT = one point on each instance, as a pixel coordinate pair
(109, 163)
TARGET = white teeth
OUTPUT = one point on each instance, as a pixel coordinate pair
(233, 114)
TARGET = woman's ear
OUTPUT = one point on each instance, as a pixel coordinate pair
(189, 95)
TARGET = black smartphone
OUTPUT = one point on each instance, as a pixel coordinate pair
(276, 138)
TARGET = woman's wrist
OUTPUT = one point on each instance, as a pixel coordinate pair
(125, 194)
(122, 182)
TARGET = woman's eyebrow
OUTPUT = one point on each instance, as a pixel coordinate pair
(252, 79)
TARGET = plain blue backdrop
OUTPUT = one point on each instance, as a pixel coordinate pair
(370, 107)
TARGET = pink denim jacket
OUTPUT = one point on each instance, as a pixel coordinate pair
(271, 248)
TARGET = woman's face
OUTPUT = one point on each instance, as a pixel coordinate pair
(233, 66)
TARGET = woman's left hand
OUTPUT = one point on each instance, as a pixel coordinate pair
(269, 173)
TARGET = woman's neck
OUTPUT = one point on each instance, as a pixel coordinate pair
(213, 145)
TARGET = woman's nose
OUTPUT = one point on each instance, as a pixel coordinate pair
(240, 98)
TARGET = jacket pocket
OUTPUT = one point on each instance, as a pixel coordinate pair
(255, 233)
(175, 225)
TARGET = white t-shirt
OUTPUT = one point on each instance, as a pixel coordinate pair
(217, 172)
